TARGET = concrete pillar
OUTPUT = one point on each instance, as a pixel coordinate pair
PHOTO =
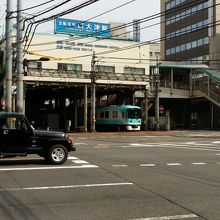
(167, 116)
(171, 82)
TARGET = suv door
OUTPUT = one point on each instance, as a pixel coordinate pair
(16, 135)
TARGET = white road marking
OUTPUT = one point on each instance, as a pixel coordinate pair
(148, 165)
(174, 145)
(199, 163)
(72, 158)
(80, 144)
(80, 161)
(170, 217)
(218, 154)
(174, 164)
(48, 168)
(99, 147)
(120, 165)
(65, 187)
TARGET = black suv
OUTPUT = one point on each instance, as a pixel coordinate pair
(19, 138)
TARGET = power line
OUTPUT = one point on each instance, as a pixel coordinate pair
(142, 20)
(80, 6)
(111, 10)
(147, 42)
(36, 6)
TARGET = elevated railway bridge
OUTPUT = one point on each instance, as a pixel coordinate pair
(61, 99)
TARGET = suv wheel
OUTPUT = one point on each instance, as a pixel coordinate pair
(57, 154)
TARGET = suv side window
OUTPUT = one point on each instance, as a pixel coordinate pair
(13, 123)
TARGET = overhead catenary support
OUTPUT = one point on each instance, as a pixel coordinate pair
(8, 61)
(146, 110)
(157, 97)
(93, 93)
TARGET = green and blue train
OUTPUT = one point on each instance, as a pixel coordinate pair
(118, 117)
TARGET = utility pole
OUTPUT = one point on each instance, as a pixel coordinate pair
(157, 101)
(146, 110)
(8, 61)
(19, 77)
(93, 88)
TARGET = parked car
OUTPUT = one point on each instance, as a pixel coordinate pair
(18, 138)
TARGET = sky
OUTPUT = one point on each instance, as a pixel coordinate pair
(136, 9)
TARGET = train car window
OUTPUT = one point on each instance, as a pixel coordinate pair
(101, 114)
(106, 114)
(123, 114)
(133, 113)
(114, 114)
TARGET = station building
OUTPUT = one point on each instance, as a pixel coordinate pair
(56, 89)
(59, 68)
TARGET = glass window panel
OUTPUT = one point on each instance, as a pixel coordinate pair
(188, 46)
(206, 40)
(173, 50)
(178, 49)
(188, 12)
(194, 44)
(168, 52)
(172, 4)
(167, 6)
(183, 47)
(194, 9)
(200, 42)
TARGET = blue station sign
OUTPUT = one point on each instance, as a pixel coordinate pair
(76, 27)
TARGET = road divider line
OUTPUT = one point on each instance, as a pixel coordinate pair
(199, 163)
(148, 165)
(120, 165)
(174, 164)
(169, 217)
(65, 187)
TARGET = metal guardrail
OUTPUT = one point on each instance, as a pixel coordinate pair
(176, 85)
(209, 93)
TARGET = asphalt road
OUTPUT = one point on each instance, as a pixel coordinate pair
(117, 176)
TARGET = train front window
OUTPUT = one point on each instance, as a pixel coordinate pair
(133, 113)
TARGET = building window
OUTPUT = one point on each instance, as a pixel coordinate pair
(34, 65)
(134, 70)
(59, 42)
(105, 69)
(59, 47)
(187, 46)
(186, 13)
(101, 46)
(69, 67)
